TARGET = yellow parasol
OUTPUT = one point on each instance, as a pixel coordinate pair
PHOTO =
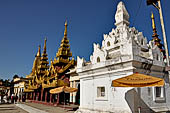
(66, 89)
(138, 80)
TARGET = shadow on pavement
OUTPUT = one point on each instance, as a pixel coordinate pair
(74, 109)
(8, 109)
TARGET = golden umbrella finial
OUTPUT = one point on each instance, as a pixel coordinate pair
(65, 32)
(153, 21)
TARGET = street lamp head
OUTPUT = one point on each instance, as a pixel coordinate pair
(151, 2)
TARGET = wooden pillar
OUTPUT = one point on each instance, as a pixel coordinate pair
(38, 95)
(45, 96)
(58, 98)
(42, 90)
(26, 96)
(33, 96)
(29, 96)
(50, 98)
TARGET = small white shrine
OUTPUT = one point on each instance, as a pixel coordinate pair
(124, 51)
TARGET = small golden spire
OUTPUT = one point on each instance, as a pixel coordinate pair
(51, 61)
(39, 51)
(153, 21)
(45, 44)
(65, 32)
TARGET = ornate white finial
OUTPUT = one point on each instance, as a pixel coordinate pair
(121, 16)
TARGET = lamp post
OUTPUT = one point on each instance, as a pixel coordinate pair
(154, 2)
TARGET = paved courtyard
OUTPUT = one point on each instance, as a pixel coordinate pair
(29, 107)
(53, 109)
(11, 108)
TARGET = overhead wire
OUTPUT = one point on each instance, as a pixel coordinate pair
(137, 12)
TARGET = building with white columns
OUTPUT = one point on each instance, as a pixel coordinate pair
(74, 83)
(124, 51)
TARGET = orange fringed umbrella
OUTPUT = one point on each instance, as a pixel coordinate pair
(66, 89)
(70, 89)
(138, 80)
(57, 90)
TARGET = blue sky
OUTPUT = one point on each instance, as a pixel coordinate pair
(25, 23)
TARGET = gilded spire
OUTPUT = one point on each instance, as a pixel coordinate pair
(153, 21)
(44, 55)
(44, 60)
(36, 62)
(44, 51)
(39, 51)
(154, 26)
(65, 32)
(155, 35)
(64, 52)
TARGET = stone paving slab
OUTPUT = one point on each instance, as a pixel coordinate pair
(11, 108)
(51, 109)
(30, 109)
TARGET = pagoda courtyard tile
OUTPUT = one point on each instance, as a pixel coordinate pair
(50, 109)
(11, 108)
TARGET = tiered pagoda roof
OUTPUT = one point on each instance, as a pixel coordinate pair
(44, 61)
(36, 63)
(63, 54)
(53, 75)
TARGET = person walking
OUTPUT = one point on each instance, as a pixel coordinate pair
(12, 98)
(16, 98)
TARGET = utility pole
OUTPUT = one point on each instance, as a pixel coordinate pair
(154, 2)
(163, 31)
